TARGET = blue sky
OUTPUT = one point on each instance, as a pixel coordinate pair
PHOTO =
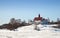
(28, 9)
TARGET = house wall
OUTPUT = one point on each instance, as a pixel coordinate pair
(44, 22)
(37, 22)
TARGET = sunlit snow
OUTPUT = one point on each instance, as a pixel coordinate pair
(29, 32)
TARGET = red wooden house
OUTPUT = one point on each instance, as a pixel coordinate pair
(38, 18)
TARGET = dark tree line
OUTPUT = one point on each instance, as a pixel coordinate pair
(13, 24)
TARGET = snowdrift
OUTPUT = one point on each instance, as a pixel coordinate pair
(29, 32)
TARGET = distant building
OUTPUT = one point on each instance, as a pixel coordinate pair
(40, 20)
(44, 21)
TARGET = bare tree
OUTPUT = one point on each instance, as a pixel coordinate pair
(12, 21)
(18, 21)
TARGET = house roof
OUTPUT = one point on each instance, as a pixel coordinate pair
(38, 18)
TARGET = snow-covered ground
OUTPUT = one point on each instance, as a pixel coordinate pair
(29, 32)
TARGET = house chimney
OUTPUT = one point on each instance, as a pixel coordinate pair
(39, 15)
